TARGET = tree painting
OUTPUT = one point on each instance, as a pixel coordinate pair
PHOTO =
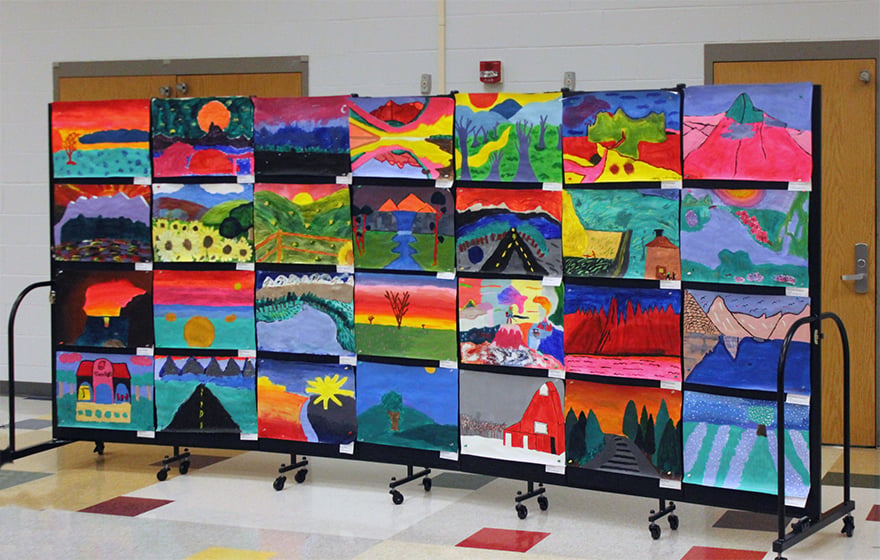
(399, 304)
(70, 146)
(392, 401)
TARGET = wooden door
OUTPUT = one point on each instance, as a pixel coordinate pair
(112, 87)
(848, 217)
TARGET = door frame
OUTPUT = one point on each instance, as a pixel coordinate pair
(819, 50)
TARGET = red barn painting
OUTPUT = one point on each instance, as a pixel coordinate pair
(542, 427)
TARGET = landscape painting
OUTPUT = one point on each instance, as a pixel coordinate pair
(616, 136)
(629, 430)
(404, 228)
(301, 136)
(623, 332)
(305, 313)
(405, 137)
(751, 236)
(512, 418)
(204, 309)
(748, 132)
(508, 137)
(204, 136)
(505, 231)
(306, 401)
(730, 442)
(621, 233)
(103, 308)
(510, 323)
(303, 224)
(206, 394)
(405, 316)
(101, 223)
(408, 406)
(209, 222)
(97, 139)
(104, 391)
(734, 340)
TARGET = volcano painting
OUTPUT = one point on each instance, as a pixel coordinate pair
(405, 137)
(623, 332)
(748, 132)
(301, 136)
(203, 136)
(619, 136)
(515, 232)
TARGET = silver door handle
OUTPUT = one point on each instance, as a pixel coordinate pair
(861, 274)
(854, 277)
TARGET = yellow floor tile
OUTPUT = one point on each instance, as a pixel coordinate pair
(220, 553)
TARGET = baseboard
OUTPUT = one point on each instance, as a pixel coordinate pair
(27, 389)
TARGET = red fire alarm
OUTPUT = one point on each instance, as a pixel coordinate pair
(490, 71)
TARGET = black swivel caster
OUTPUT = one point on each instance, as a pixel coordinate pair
(521, 511)
(279, 483)
(396, 497)
(543, 503)
(162, 474)
(849, 525)
(655, 531)
(99, 448)
(426, 482)
(673, 522)
(300, 476)
(183, 467)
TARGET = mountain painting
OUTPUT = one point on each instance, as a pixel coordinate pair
(750, 236)
(405, 137)
(203, 136)
(104, 391)
(303, 224)
(208, 222)
(206, 394)
(204, 309)
(512, 418)
(629, 430)
(306, 401)
(303, 313)
(404, 228)
(625, 233)
(103, 308)
(101, 223)
(508, 137)
(623, 332)
(510, 323)
(748, 132)
(405, 316)
(96, 139)
(619, 136)
(301, 136)
(734, 340)
(407, 406)
(730, 442)
(504, 231)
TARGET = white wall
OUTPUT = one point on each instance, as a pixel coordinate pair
(373, 47)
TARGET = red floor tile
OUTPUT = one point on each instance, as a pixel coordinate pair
(503, 539)
(126, 506)
(709, 553)
(874, 514)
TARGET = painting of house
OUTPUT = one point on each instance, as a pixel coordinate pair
(541, 427)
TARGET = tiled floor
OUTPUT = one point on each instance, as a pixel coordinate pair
(72, 503)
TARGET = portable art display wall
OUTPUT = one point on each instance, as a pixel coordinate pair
(585, 289)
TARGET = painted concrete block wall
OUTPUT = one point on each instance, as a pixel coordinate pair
(372, 47)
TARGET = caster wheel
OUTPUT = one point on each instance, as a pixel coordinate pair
(426, 482)
(655, 531)
(543, 503)
(162, 475)
(99, 448)
(300, 476)
(396, 497)
(673, 522)
(279, 483)
(183, 467)
(849, 525)
(521, 511)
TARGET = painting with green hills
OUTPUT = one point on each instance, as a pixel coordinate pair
(302, 224)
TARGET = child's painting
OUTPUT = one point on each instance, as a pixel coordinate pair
(303, 224)
(631, 430)
(748, 132)
(508, 137)
(204, 309)
(730, 442)
(625, 233)
(306, 401)
(104, 308)
(408, 406)
(505, 231)
(619, 136)
(512, 418)
(734, 340)
(405, 316)
(208, 394)
(405, 137)
(301, 136)
(208, 222)
(105, 391)
(203, 136)
(101, 138)
(404, 228)
(757, 237)
(623, 332)
(510, 323)
(101, 223)
(305, 313)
